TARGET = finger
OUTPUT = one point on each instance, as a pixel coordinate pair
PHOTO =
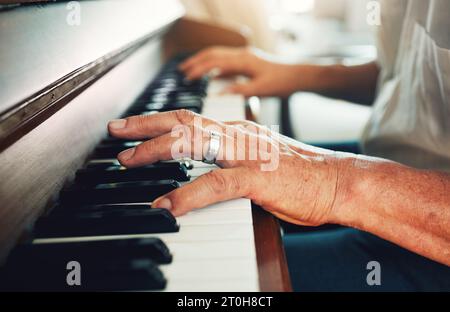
(215, 67)
(225, 67)
(213, 187)
(166, 147)
(149, 152)
(149, 126)
(191, 142)
(203, 68)
(197, 58)
(240, 122)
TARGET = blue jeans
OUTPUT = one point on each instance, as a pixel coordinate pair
(336, 259)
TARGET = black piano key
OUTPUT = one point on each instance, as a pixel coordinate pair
(64, 210)
(174, 91)
(188, 163)
(175, 105)
(167, 105)
(111, 150)
(102, 164)
(95, 251)
(173, 84)
(114, 174)
(113, 140)
(114, 162)
(111, 275)
(144, 111)
(134, 275)
(171, 97)
(105, 222)
(117, 193)
(152, 104)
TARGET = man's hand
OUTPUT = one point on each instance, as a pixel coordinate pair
(266, 78)
(307, 186)
(299, 188)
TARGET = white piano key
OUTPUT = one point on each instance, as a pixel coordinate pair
(196, 172)
(216, 217)
(210, 270)
(214, 232)
(233, 249)
(230, 212)
(199, 164)
(224, 107)
(237, 285)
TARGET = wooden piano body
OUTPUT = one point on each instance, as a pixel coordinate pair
(59, 86)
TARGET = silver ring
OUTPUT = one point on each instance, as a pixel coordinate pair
(213, 149)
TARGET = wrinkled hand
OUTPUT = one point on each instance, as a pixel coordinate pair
(300, 188)
(266, 78)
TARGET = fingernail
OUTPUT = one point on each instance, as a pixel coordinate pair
(117, 124)
(162, 203)
(127, 154)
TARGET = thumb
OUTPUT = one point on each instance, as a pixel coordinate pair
(213, 187)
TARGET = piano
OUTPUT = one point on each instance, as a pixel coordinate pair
(65, 198)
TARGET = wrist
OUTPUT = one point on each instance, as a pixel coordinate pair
(321, 78)
(351, 188)
(310, 77)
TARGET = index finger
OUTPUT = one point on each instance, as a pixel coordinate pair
(196, 58)
(150, 126)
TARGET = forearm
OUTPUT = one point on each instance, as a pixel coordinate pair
(354, 83)
(408, 207)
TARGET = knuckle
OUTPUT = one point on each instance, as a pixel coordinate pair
(184, 116)
(217, 182)
(235, 184)
(140, 122)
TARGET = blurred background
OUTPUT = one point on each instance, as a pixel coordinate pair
(318, 31)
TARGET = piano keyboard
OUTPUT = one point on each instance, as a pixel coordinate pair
(104, 221)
